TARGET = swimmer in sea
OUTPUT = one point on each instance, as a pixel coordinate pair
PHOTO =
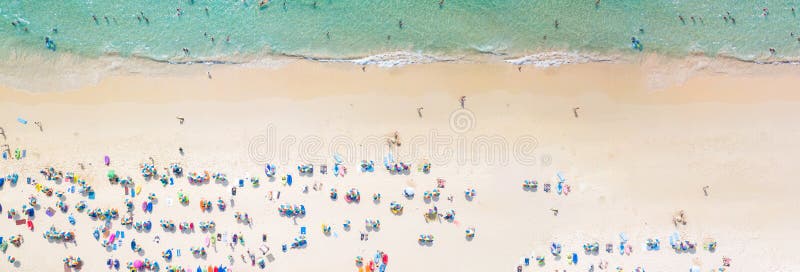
(400, 24)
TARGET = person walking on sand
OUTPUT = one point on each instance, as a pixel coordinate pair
(419, 111)
(462, 100)
(575, 111)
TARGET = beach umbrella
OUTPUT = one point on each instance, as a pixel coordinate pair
(694, 269)
(138, 264)
(337, 158)
(408, 191)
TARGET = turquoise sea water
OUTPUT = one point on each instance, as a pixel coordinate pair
(355, 28)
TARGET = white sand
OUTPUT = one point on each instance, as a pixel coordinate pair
(635, 156)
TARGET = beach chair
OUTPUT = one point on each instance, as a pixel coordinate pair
(303, 230)
(264, 249)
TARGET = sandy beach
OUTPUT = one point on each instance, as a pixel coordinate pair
(635, 141)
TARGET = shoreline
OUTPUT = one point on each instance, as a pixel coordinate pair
(38, 73)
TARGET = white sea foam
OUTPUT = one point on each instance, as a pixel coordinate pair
(554, 59)
(394, 59)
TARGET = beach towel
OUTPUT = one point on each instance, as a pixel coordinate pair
(289, 180)
(22, 121)
(21, 222)
(91, 195)
(5, 156)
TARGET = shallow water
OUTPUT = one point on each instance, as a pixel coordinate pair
(350, 28)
